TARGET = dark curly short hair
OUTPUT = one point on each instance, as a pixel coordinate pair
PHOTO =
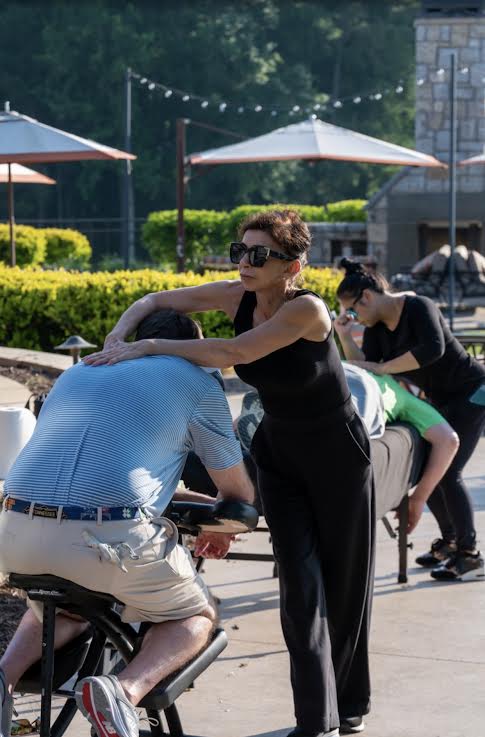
(168, 324)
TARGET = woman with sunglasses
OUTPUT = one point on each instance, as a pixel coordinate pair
(312, 455)
(406, 334)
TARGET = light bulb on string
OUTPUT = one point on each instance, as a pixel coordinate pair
(204, 104)
(143, 80)
(440, 72)
(464, 70)
(420, 82)
(240, 110)
(168, 93)
(185, 98)
(313, 116)
(338, 103)
(378, 96)
(296, 108)
(399, 89)
(222, 107)
(357, 100)
(258, 108)
(151, 86)
(273, 113)
(317, 106)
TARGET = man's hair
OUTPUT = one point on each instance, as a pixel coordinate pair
(168, 324)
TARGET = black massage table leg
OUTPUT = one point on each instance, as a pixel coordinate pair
(403, 511)
(388, 527)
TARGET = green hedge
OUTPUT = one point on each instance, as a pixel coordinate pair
(346, 211)
(30, 245)
(39, 309)
(52, 246)
(67, 247)
(207, 232)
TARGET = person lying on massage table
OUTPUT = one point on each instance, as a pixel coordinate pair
(380, 400)
(84, 501)
(396, 404)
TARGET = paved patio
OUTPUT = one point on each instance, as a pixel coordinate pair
(427, 647)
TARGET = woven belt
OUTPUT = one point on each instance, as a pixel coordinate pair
(104, 514)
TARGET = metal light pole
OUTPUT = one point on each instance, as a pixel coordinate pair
(128, 208)
(181, 181)
(452, 190)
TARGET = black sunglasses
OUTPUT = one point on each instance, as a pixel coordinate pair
(257, 255)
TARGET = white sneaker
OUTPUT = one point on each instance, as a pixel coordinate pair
(103, 702)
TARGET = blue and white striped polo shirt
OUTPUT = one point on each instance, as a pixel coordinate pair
(119, 435)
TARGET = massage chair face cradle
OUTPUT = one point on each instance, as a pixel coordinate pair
(88, 655)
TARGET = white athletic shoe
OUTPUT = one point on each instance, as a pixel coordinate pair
(103, 702)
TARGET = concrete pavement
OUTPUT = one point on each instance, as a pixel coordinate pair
(427, 646)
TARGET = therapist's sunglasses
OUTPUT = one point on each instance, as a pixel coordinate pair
(257, 255)
(350, 311)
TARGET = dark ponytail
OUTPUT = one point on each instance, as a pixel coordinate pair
(357, 278)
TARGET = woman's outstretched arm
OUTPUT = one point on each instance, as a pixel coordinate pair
(213, 296)
(295, 320)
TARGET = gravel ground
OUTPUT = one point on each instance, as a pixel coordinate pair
(37, 382)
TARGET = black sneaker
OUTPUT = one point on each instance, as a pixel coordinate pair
(440, 551)
(460, 567)
(352, 725)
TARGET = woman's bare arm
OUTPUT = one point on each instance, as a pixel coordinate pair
(296, 319)
(220, 295)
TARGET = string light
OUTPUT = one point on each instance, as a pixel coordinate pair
(168, 93)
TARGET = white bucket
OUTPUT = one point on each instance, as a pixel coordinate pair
(16, 427)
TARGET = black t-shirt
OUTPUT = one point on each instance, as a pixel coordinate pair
(445, 369)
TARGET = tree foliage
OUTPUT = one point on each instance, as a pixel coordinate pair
(64, 63)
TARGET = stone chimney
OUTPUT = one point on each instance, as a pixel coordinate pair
(408, 218)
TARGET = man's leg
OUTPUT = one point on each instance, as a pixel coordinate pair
(108, 702)
(25, 647)
(166, 647)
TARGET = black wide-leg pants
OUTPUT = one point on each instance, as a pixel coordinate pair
(316, 484)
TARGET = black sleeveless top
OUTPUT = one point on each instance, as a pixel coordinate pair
(303, 380)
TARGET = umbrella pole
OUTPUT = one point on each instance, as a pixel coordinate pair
(180, 146)
(452, 191)
(13, 255)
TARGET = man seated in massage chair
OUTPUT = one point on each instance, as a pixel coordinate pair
(84, 501)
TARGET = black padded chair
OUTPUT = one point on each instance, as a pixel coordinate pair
(84, 656)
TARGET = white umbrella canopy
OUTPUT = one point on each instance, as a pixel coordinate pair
(23, 139)
(480, 159)
(21, 175)
(314, 139)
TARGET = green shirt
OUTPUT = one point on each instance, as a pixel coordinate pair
(401, 405)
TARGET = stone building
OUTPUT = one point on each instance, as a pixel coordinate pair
(408, 217)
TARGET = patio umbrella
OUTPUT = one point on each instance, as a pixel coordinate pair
(313, 140)
(480, 159)
(309, 140)
(19, 174)
(25, 140)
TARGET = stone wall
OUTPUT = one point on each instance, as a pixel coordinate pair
(436, 38)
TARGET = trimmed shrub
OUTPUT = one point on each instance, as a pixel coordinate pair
(204, 235)
(40, 309)
(308, 213)
(68, 247)
(346, 211)
(30, 245)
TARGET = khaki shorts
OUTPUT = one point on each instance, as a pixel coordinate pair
(159, 584)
